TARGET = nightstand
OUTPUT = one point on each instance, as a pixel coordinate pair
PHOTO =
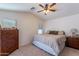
(72, 42)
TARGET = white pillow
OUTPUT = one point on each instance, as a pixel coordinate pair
(60, 33)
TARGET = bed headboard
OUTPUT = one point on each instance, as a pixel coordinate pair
(56, 32)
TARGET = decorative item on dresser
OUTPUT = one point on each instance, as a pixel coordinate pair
(8, 41)
(73, 41)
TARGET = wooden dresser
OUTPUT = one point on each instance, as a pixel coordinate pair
(72, 42)
(8, 41)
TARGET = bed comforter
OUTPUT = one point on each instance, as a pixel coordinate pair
(56, 42)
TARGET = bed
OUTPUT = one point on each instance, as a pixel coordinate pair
(47, 45)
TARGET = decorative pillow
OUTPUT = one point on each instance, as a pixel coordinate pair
(57, 32)
(53, 32)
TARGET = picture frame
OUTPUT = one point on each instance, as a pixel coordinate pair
(8, 23)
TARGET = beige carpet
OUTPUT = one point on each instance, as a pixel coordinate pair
(69, 52)
(31, 50)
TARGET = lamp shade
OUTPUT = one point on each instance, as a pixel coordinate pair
(40, 31)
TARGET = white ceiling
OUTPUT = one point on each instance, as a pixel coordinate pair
(63, 9)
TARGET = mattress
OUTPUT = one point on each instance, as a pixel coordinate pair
(31, 50)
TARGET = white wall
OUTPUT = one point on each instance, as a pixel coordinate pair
(65, 23)
(26, 23)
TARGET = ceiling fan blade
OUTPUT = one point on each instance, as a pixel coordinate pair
(52, 5)
(41, 5)
(46, 6)
(40, 11)
(53, 10)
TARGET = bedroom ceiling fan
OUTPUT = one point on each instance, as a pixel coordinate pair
(47, 8)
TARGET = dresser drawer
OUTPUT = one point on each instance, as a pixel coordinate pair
(72, 42)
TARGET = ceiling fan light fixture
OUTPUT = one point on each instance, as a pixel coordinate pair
(46, 11)
(47, 8)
